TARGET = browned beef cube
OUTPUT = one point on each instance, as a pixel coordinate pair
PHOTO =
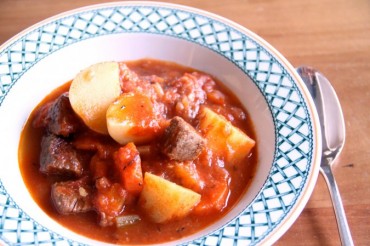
(181, 141)
(72, 196)
(59, 157)
(58, 117)
(42, 118)
(63, 120)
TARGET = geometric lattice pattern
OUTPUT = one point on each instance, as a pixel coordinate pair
(292, 122)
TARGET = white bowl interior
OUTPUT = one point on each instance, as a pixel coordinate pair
(63, 65)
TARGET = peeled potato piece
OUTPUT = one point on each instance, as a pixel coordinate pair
(227, 140)
(132, 118)
(163, 200)
(92, 91)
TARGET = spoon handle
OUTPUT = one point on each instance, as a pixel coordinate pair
(344, 232)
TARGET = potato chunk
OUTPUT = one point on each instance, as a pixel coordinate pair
(227, 140)
(92, 91)
(132, 118)
(163, 200)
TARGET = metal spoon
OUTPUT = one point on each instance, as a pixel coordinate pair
(333, 135)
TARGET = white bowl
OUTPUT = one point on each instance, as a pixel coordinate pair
(52, 52)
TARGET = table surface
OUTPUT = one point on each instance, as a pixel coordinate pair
(331, 35)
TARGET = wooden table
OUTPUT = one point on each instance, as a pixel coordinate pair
(331, 35)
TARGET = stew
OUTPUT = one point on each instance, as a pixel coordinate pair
(173, 153)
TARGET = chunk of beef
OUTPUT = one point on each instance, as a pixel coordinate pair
(72, 196)
(63, 120)
(58, 117)
(181, 141)
(59, 157)
(42, 116)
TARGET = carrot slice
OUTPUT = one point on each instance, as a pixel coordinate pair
(128, 163)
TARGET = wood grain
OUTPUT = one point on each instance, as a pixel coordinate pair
(331, 35)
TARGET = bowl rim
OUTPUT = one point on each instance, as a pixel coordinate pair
(292, 215)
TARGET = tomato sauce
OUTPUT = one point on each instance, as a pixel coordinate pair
(220, 184)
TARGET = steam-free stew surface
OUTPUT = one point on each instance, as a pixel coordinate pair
(220, 183)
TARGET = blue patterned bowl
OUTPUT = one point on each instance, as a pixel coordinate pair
(51, 52)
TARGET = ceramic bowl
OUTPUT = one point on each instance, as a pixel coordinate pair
(48, 54)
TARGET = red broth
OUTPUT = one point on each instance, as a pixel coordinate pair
(211, 169)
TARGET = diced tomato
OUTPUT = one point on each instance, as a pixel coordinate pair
(109, 200)
(217, 97)
(128, 163)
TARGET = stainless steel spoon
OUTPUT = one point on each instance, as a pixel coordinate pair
(333, 135)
